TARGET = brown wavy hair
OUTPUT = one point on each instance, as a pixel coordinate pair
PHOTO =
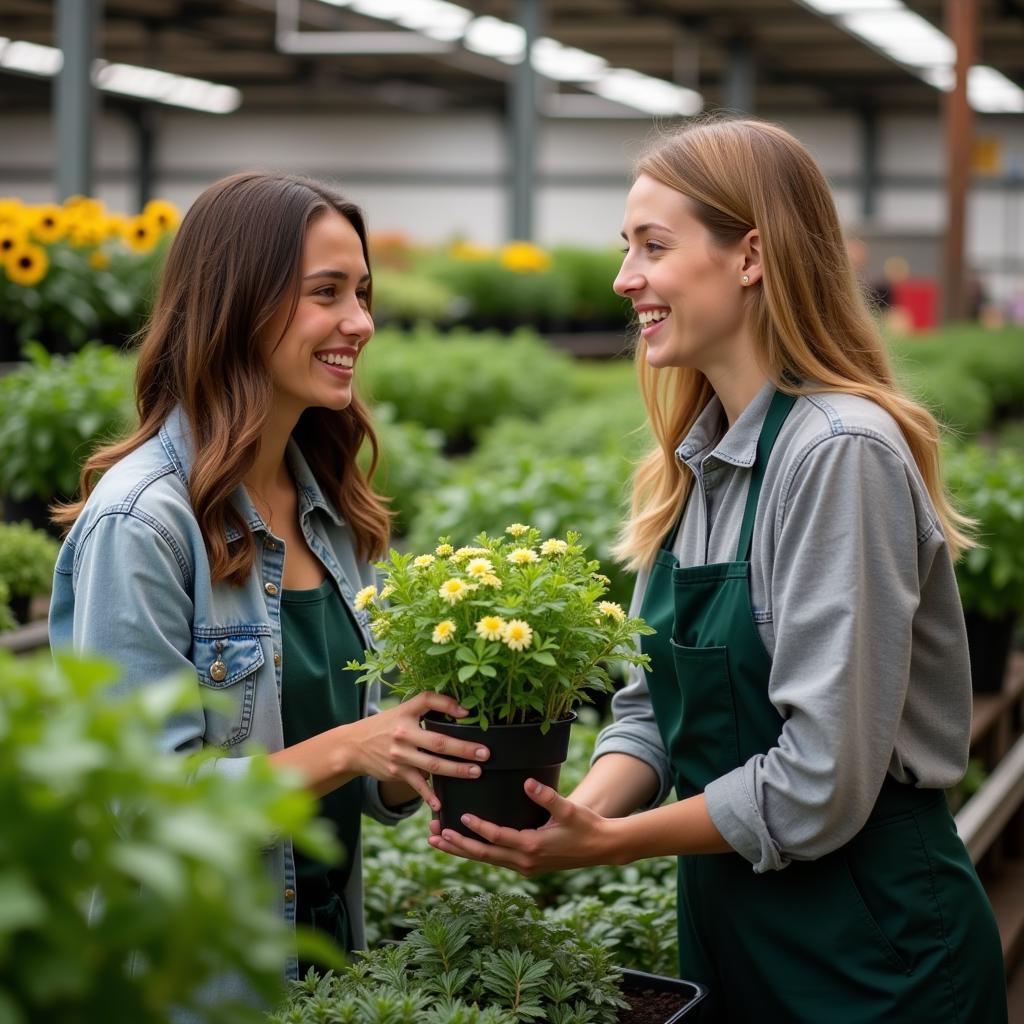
(809, 318)
(236, 257)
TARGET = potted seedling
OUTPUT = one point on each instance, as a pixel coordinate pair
(518, 631)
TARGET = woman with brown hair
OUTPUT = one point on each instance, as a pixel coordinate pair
(809, 693)
(231, 534)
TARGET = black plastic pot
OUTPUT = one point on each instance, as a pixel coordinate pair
(689, 994)
(989, 642)
(518, 753)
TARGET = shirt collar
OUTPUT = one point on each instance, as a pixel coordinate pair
(738, 445)
(176, 438)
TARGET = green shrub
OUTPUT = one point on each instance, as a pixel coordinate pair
(54, 411)
(410, 296)
(590, 273)
(411, 463)
(27, 558)
(989, 487)
(129, 879)
(493, 952)
(7, 621)
(460, 382)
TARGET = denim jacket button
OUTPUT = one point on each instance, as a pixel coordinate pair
(270, 589)
(277, 657)
(289, 895)
(218, 670)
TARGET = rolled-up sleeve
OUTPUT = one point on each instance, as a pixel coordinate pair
(844, 589)
(634, 730)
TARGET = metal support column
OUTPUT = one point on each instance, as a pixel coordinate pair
(868, 163)
(740, 77)
(74, 98)
(522, 128)
(962, 28)
(142, 120)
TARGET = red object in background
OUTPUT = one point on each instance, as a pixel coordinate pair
(919, 298)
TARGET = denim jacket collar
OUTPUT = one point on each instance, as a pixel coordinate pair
(739, 444)
(176, 438)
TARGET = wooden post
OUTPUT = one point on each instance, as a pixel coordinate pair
(962, 28)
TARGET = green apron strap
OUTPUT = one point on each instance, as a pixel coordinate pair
(774, 418)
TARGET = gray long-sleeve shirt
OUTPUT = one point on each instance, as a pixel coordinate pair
(855, 598)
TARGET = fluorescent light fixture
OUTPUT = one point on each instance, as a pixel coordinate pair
(991, 92)
(125, 79)
(903, 35)
(437, 19)
(832, 7)
(565, 63)
(31, 58)
(495, 38)
(652, 95)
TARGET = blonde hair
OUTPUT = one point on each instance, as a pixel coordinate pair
(808, 317)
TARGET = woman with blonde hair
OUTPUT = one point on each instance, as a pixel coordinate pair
(808, 695)
(231, 535)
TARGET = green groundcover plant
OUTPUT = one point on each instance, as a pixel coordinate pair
(27, 558)
(490, 958)
(129, 879)
(514, 628)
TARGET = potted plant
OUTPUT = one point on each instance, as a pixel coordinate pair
(490, 958)
(27, 558)
(517, 630)
(990, 577)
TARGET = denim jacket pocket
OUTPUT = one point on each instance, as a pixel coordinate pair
(227, 662)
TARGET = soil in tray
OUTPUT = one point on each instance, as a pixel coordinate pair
(650, 1007)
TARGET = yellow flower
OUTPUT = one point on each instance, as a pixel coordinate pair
(601, 578)
(517, 634)
(12, 236)
(386, 592)
(524, 258)
(140, 234)
(516, 530)
(48, 223)
(11, 211)
(452, 591)
(162, 213)
(27, 264)
(85, 206)
(99, 260)
(443, 550)
(522, 555)
(364, 597)
(380, 626)
(490, 580)
(462, 553)
(422, 561)
(479, 567)
(86, 231)
(444, 632)
(490, 627)
(554, 547)
(612, 610)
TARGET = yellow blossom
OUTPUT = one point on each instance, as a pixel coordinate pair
(12, 211)
(524, 258)
(490, 627)
(140, 234)
(554, 547)
(86, 231)
(443, 550)
(162, 213)
(386, 592)
(48, 223)
(27, 264)
(99, 260)
(612, 610)
(516, 530)
(422, 561)
(517, 634)
(469, 252)
(490, 580)
(453, 591)
(469, 552)
(12, 236)
(364, 597)
(479, 567)
(85, 206)
(522, 555)
(444, 632)
(380, 626)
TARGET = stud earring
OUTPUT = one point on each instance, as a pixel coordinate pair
(745, 279)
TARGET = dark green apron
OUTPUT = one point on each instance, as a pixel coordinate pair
(894, 926)
(318, 638)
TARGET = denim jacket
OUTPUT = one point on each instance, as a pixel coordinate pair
(132, 582)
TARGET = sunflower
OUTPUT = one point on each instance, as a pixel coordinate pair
(140, 233)
(85, 232)
(12, 236)
(87, 207)
(27, 264)
(162, 213)
(48, 223)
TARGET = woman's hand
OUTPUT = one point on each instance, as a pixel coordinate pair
(574, 837)
(391, 746)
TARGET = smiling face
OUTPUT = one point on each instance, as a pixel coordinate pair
(312, 358)
(687, 290)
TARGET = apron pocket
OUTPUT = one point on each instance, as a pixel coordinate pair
(878, 935)
(708, 709)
